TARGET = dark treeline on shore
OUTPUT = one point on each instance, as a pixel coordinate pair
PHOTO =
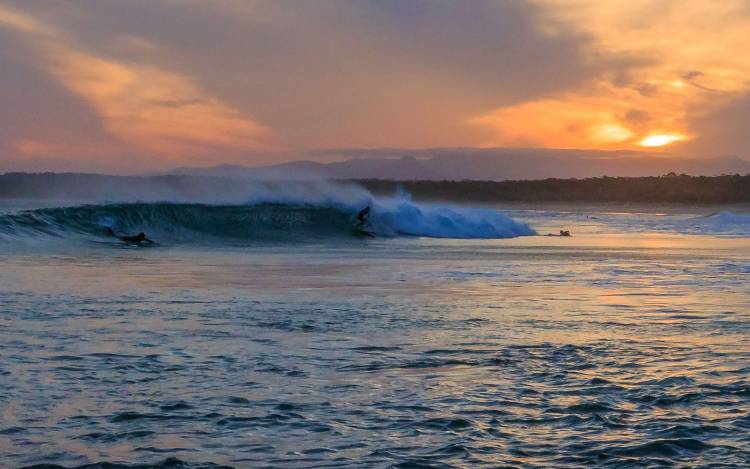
(663, 189)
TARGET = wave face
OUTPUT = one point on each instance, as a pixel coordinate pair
(403, 217)
(179, 222)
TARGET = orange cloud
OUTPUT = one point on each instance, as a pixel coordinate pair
(697, 64)
(607, 118)
(140, 105)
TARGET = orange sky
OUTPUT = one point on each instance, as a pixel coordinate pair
(137, 86)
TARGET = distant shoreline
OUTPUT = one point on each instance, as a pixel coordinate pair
(669, 189)
(680, 189)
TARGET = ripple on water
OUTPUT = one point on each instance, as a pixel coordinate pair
(169, 463)
(630, 360)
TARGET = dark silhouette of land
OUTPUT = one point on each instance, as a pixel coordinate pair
(670, 188)
(478, 164)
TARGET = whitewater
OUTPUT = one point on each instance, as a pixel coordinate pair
(267, 327)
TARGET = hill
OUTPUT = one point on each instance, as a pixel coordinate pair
(99, 188)
(497, 164)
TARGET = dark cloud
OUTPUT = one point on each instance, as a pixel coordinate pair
(33, 103)
(647, 89)
(637, 116)
(694, 78)
(724, 132)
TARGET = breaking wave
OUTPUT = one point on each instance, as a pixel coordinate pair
(184, 222)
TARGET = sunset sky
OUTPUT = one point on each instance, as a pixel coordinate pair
(138, 85)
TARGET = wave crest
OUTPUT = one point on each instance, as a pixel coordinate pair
(177, 222)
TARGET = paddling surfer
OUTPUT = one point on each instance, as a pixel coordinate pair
(133, 239)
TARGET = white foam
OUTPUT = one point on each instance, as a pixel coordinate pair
(401, 216)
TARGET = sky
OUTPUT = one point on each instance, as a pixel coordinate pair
(145, 85)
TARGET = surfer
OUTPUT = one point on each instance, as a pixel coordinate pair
(361, 222)
(363, 215)
(133, 239)
(562, 233)
(136, 239)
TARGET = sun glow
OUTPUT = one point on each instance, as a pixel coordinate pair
(611, 133)
(659, 140)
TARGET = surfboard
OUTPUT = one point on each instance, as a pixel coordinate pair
(364, 233)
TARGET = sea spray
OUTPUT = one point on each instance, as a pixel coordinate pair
(402, 216)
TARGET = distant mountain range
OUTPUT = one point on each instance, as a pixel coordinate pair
(375, 168)
(495, 164)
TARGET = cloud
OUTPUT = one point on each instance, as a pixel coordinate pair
(555, 123)
(637, 116)
(135, 102)
(159, 82)
(341, 73)
(697, 65)
(36, 107)
(600, 116)
(724, 131)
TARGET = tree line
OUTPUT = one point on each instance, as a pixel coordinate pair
(670, 188)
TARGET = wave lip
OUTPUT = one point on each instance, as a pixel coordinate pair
(180, 222)
(436, 221)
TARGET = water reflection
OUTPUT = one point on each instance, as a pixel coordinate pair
(539, 351)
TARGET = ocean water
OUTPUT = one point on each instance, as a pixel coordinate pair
(279, 335)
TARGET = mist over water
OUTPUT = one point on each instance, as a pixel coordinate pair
(265, 332)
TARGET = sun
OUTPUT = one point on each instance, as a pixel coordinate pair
(659, 140)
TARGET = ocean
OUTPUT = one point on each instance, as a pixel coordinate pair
(284, 333)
